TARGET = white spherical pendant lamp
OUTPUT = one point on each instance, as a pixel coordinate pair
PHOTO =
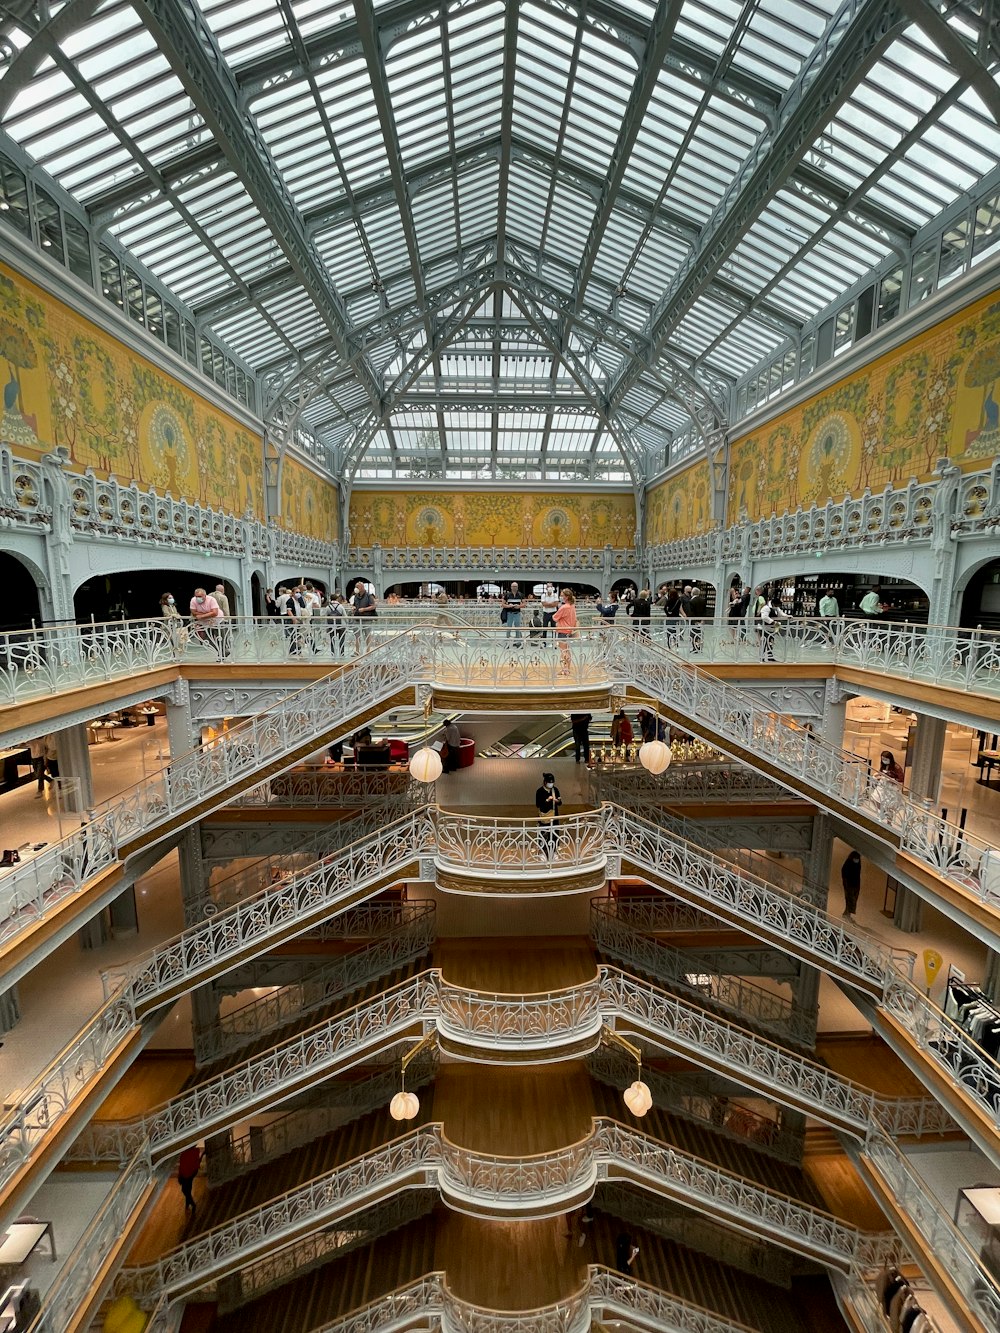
(404, 1106)
(426, 765)
(655, 756)
(638, 1098)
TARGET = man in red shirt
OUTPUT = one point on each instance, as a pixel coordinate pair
(187, 1169)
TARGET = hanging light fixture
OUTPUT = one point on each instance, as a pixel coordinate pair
(405, 1105)
(655, 755)
(426, 765)
(637, 1095)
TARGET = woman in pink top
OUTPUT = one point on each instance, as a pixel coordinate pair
(564, 619)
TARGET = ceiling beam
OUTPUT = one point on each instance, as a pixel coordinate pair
(824, 83)
(661, 31)
(187, 42)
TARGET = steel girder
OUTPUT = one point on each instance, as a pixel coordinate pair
(654, 53)
(823, 83)
(188, 44)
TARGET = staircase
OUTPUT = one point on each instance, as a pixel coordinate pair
(698, 1139)
(694, 1277)
(342, 1285)
(227, 1201)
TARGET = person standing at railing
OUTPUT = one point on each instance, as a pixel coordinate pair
(607, 610)
(626, 1251)
(547, 803)
(219, 593)
(565, 623)
(173, 622)
(511, 613)
(672, 613)
(364, 610)
(829, 607)
(206, 613)
(640, 611)
(550, 605)
(771, 616)
(580, 722)
(336, 615)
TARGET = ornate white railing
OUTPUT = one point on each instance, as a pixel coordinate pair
(722, 782)
(552, 561)
(249, 927)
(74, 1282)
(497, 1186)
(341, 1102)
(606, 1295)
(938, 1232)
(302, 788)
(816, 768)
(515, 846)
(407, 933)
(708, 1099)
(529, 1023)
(755, 1005)
(40, 662)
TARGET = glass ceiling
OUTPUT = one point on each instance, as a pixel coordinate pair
(476, 239)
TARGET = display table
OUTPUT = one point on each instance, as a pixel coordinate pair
(21, 1238)
(977, 1216)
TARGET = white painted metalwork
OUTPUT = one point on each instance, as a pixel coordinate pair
(405, 934)
(516, 846)
(540, 1023)
(74, 1282)
(550, 561)
(938, 1232)
(493, 1186)
(755, 1005)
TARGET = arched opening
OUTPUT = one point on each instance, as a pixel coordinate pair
(134, 594)
(257, 594)
(981, 598)
(22, 606)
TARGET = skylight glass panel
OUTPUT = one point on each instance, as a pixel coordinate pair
(245, 28)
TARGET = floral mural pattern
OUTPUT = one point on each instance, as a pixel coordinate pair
(491, 518)
(309, 503)
(934, 397)
(68, 383)
(680, 506)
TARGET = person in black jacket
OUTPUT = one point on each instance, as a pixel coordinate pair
(547, 803)
(580, 723)
(850, 875)
(640, 611)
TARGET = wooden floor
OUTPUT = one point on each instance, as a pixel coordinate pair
(514, 966)
(837, 1182)
(508, 1265)
(869, 1061)
(155, 1077)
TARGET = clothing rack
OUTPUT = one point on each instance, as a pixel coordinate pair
(974, 1012)
(899, 1306)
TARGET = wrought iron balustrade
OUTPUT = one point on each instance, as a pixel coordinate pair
(74, 1282)
(520, 1022)
(40, 662)
(406, 935)
(753, 1004)
(504, 846)
(941, 1237)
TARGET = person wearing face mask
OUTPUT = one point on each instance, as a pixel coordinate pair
(888, 768)
(547, 803)
(888, 780)
(208, 619)
(173, 622)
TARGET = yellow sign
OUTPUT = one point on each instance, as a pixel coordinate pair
(932, 966)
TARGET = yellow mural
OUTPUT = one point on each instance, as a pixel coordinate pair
(491, 518)
(66, 382)
(309, 503)
(935, 396)
(680, 506)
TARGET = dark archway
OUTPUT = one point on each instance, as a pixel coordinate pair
(981, 599)
(135, 594)
(22, 606)
(257, 594)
